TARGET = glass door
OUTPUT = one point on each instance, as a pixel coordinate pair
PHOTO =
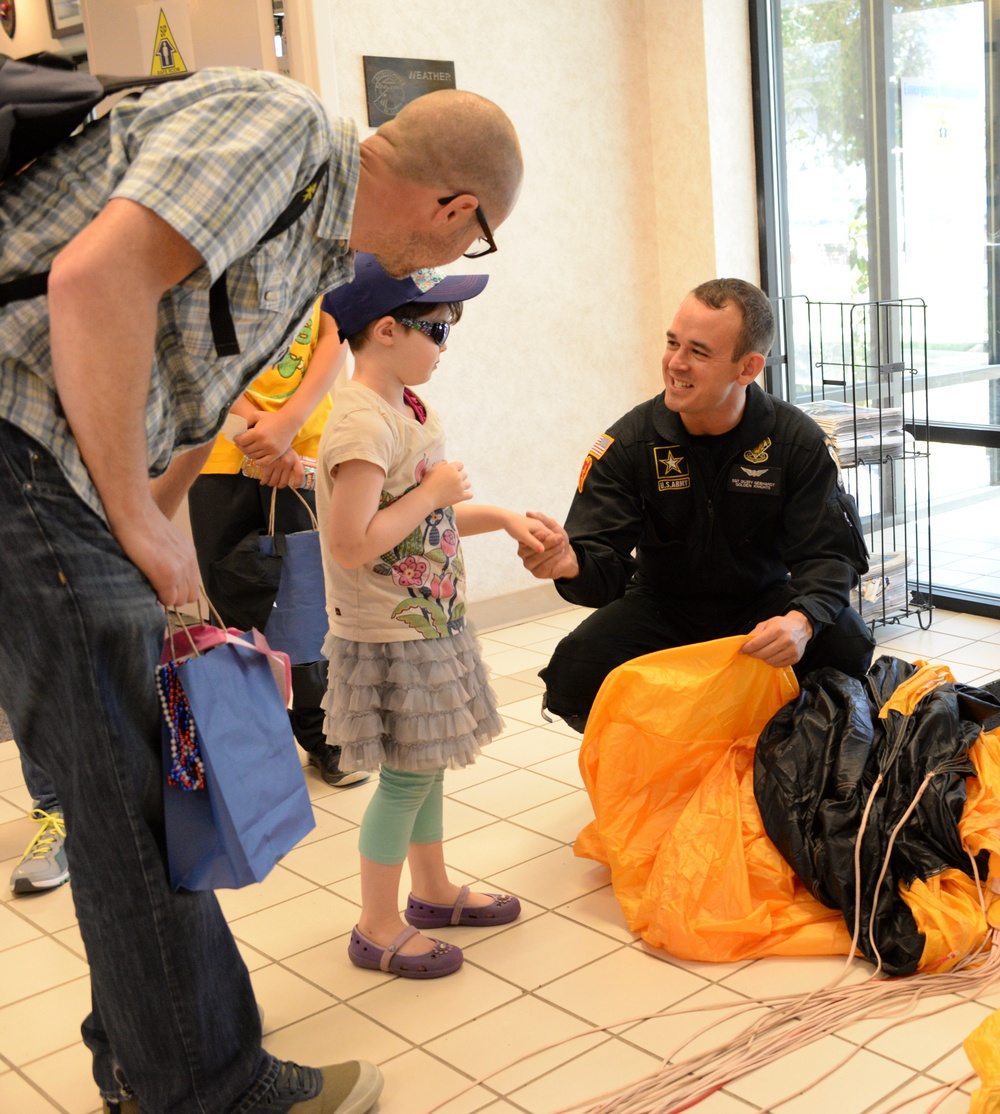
(875, 123)
(942, 249)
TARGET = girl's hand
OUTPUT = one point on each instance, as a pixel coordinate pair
(268, 437)
(533, 536)
(448, 483)
(557, 561)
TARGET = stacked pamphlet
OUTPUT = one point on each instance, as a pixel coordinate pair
(859, 434)
(883, 588)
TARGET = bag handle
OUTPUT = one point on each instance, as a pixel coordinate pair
(204, 638)
(187, 769)
(179, 616)
(193, 634)
(212, 612)
(274, 501)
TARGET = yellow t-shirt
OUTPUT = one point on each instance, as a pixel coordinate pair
(270, 391)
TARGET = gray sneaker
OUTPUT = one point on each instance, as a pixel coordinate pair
(350, 1088)
(43, 864)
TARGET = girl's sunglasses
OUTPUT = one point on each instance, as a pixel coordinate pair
(437, 330)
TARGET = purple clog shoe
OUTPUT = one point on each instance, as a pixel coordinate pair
(442, 959)
(425, 914)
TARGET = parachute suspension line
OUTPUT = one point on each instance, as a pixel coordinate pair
(787, 1027)
(885, 866)
(794, 1021)
(862, 827)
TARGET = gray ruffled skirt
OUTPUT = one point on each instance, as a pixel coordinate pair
(417, 705)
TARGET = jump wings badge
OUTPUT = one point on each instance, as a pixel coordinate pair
(759, 454)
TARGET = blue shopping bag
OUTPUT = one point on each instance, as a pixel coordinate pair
(297, 624)
(246, 803)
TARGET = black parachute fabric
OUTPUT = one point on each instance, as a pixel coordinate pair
(816, 765)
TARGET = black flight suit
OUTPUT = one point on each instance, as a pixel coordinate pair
(684, 539)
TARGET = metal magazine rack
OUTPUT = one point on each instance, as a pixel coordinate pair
(860, 370)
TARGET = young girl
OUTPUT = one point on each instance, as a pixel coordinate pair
(408, 690)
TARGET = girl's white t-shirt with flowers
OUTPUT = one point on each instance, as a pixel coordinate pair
(417, 590)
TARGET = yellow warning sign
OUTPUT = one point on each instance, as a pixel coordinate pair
(166, 57)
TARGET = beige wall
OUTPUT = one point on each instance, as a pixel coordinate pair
(561, 341)
(730, 131)
(618, 104)
(682, 164)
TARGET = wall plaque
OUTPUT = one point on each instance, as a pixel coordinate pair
(392, 82)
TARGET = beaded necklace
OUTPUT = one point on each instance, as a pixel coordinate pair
(186, 767)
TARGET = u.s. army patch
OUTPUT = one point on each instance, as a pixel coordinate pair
(584, 472)
(672, 472)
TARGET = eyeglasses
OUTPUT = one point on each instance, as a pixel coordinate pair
(437, 330)
(487, 234)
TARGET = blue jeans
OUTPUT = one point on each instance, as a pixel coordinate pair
(39, 785)
(174, 1018)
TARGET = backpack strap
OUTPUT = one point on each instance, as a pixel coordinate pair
(23, 287)
(112, 85)
(219, 313)
(220, 317)
(297, 206)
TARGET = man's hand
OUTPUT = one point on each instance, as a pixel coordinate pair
(779, 641)
(557, 561)
(163, 556)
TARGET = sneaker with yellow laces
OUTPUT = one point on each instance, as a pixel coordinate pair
(43, 865)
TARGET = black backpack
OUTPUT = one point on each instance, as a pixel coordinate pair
(43, 99)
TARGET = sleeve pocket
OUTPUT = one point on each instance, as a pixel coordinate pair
(847, 522)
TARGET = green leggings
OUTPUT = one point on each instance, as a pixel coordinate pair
(405, 809)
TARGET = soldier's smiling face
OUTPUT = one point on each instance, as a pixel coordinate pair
(702, 381)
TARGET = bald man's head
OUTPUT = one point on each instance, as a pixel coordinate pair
(458, 142)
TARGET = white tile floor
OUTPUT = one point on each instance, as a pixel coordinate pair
(570, 964)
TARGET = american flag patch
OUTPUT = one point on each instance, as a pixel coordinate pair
(601, 446)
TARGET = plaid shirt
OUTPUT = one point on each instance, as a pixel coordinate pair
(218, 156)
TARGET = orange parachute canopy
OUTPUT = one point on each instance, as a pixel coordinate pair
(982, 1046)
(667, 759)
